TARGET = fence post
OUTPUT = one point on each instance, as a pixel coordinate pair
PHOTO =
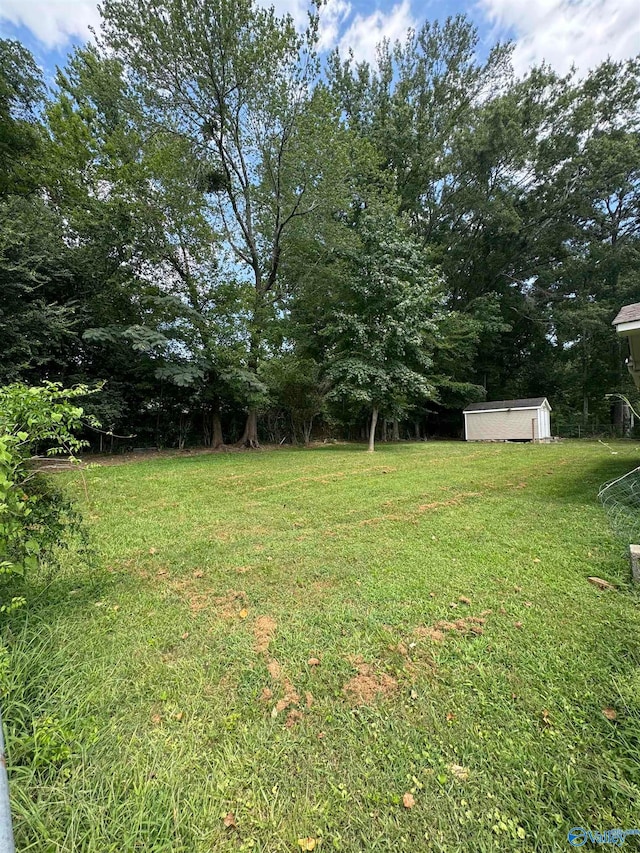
(6, 828)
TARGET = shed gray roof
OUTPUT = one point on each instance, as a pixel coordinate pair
(628, 314)
(530, 403)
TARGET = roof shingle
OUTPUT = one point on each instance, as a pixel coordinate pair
(530, 403)
(628, 314)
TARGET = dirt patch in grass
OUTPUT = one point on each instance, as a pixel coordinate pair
(466, 625)
(429, 633)
(274, 669)
(291, 696)
(226, 606)
(454, 501)
(368, 685)
(264, 631)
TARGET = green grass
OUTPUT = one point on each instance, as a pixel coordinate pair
(142, 682)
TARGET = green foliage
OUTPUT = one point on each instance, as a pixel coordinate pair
(35, 516)
(188, 205)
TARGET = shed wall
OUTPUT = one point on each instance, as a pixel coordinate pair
(544, 422)
(516, 423)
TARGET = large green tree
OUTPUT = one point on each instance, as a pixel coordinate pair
(235, 82)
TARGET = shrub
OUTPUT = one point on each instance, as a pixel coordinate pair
(35, 516)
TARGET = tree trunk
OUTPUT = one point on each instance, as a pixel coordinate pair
(250, 434)
(372, 431)
(383, 437)
(396, 430)
(417, 428)
(217, 438)
(307, 428)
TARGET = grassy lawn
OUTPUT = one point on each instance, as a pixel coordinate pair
(297, 639)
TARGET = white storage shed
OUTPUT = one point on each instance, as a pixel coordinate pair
(508, 420)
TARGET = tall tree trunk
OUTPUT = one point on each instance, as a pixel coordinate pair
(217, 439)
(307, 428)
(250, 434)
(383, 437)
(396, 430)
(417, 428)
(372, 431)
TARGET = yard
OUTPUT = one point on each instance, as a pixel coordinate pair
(272, 650)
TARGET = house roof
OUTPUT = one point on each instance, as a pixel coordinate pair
(530, 403)
(628, 314)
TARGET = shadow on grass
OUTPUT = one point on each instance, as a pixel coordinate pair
(581, 485)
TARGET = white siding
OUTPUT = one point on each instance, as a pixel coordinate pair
(514, 423)
(544, 422)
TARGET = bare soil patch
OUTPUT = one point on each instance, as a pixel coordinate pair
(437, 632)
(368, 685)
(264, 631)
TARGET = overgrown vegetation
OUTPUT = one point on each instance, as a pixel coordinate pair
(37, 519)
(276, 649)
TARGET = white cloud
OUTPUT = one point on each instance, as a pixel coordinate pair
(366, 32)
(54, 22)
(296, 8)
(332, 18)
(563, 32)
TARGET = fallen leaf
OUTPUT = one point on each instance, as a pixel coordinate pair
(313, 662)
(308, 698)
(414, 694)
(464, 600)
(243, 613)
(610, 714)
(432, 594)
(156, 719)
(321, 735)
(546, 718)
(408, 801)
(179, 715)
(198, 574)
(528, 604)
(153, 550)
(162, 572)
(185, 635)
(517, 589)
(601, 584)
(450, 716)
(517, 625)
(453, 604)
(230, 821)
(461, 773)
(307, 843)
(537, 560)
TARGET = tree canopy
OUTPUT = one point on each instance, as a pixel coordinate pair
(247, 240)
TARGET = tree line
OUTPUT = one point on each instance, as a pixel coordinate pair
(247, 240)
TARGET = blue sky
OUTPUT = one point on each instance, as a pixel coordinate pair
(561, 32)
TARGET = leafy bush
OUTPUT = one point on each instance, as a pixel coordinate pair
(35, 516)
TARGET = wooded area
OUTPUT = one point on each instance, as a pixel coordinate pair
(246, 240)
